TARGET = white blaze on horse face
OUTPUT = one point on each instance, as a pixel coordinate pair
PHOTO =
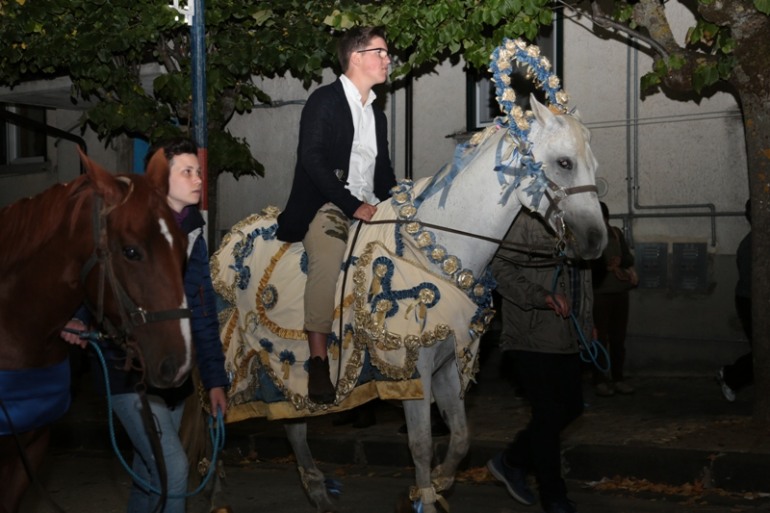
(187, 334)
(184, 324)
(166, 232)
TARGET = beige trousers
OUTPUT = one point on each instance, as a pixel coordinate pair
(325, 243)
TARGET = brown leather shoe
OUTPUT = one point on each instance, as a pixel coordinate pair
(319, 387)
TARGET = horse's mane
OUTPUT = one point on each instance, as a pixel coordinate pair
(28, 223)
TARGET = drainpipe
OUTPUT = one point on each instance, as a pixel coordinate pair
(393, 118)
(408, 128)
(632, 166)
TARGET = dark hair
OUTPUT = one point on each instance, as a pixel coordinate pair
(355, 39)
(171, 148)
(605, 210)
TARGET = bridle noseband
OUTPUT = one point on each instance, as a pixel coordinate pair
(555, 194)
(131, 314)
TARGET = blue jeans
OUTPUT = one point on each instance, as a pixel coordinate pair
(127, 407)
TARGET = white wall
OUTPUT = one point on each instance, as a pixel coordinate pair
(64, 163)
(686, 153)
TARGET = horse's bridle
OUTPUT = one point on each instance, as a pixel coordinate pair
(131, 314)
(555, 195)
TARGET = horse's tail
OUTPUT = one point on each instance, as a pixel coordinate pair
(193, 429)
(194, 433)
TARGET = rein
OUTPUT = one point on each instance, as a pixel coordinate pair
(217, 433)
(131, 314)
(543, 251)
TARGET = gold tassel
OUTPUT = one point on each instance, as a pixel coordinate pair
(375, 288)
(286, 368)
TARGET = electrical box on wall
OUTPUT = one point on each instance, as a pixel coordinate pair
(690, 266)
(652, 264)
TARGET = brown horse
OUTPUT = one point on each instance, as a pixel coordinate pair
(111, 243)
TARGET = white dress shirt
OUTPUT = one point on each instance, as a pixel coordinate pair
(364, 151)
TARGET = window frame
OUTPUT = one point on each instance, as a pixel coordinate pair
(11, 134)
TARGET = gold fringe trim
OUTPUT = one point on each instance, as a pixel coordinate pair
(264, 320)
(387, 390)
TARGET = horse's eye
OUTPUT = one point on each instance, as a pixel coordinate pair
(565, 163)
(131, 253)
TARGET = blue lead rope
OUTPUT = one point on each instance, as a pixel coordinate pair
(590, 351)
(217, 433)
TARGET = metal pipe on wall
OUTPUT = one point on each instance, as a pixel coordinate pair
(408, 128)
(632, 158)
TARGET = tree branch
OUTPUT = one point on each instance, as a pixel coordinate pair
(598, 17)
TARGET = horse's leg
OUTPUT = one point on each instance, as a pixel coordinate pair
(417, 413)
(313, 480)
(446, 392)
(13, 475)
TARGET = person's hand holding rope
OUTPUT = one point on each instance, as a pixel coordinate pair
(559, 304)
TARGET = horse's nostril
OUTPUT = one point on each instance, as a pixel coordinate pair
(168, 371)
(596, 238)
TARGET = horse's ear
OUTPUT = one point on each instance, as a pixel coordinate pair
(104, 182)
(576, 114)
(158, 171)
(542, 113)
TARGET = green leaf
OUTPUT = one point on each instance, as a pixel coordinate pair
(704, 75)
(262, 16)
(650, 81)
(676, 61)
(762, 6)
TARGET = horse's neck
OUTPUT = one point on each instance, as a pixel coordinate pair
(26, 224)
(39, 255)
(473, 203)
(44, 235)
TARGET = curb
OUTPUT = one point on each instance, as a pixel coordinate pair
(731, 471)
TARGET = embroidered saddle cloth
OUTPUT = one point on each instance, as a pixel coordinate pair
(400, 293)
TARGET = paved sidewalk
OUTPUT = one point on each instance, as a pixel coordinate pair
(673, 430)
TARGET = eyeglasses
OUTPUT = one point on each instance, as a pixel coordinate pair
(382, 53)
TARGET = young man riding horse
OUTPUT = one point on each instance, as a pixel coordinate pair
(343, 169)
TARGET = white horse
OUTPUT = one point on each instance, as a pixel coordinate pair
(415, 297)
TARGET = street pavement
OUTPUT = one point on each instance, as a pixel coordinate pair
(95, 483)
(676, 443)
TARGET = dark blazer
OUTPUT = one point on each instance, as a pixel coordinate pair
(325, 141)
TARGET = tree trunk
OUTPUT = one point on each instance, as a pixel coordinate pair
(756, 121)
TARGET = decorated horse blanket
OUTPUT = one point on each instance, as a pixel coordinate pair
(398, 292)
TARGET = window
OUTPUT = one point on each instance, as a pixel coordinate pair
(19, 143)
(482, 107)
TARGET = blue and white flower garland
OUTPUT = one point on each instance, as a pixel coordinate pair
(538, 68)
(519, 122)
